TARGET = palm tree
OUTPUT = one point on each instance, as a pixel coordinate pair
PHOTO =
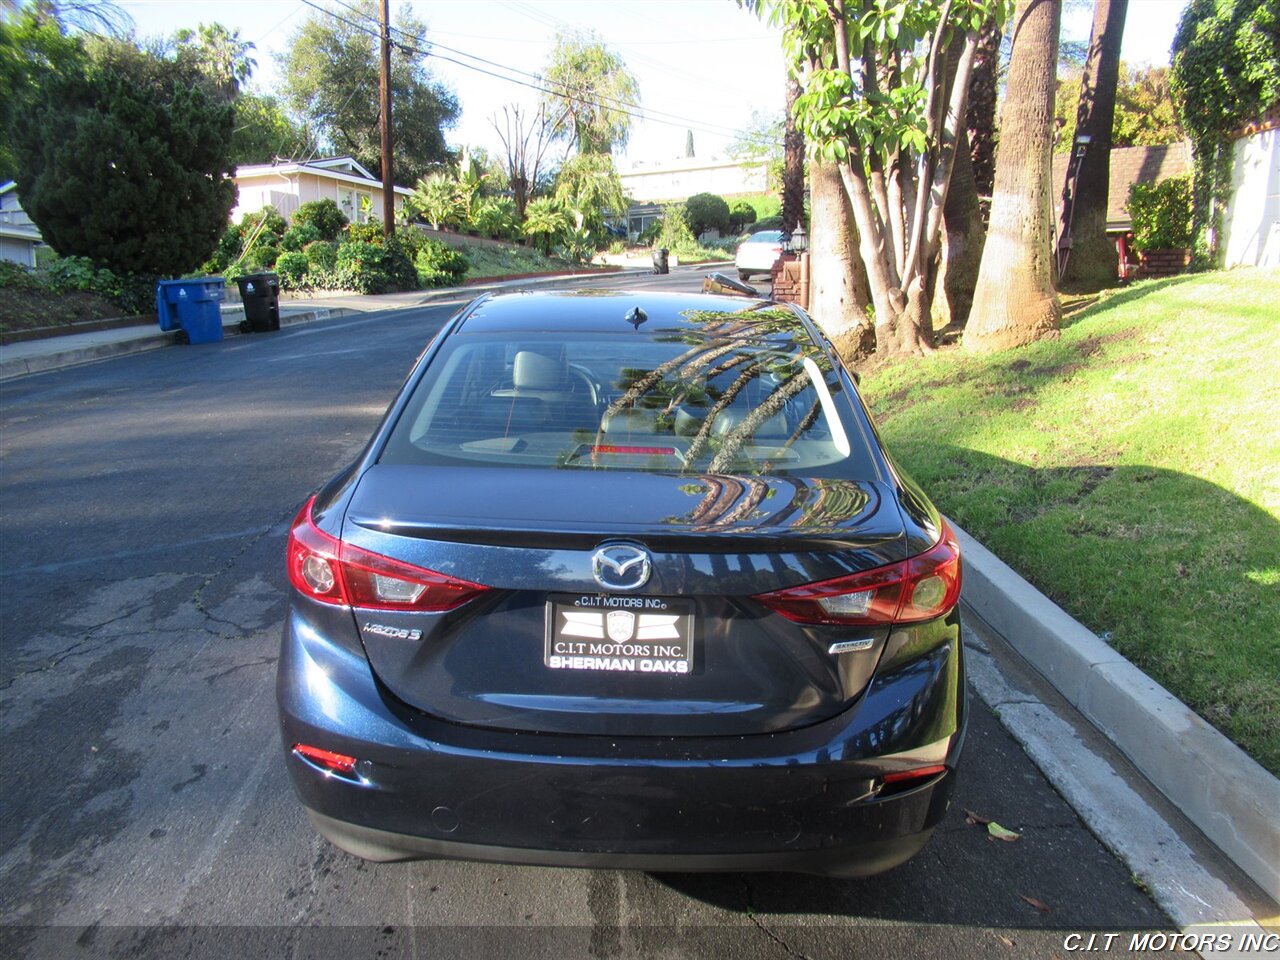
(544, 220)
(1015, 301)
(1090, 260)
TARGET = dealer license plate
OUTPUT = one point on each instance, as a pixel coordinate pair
(619, 634)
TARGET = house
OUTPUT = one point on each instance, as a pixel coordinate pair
(18, 235)
(1251, 227)
(287, 184)
(681, 179)
(1129, 165)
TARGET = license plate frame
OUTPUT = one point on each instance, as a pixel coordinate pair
(619, 634)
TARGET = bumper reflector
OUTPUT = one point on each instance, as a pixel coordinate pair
(919, 773)
(327, 759)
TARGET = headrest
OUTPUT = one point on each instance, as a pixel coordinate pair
(630, 421)
(533, 371)
(775, 426)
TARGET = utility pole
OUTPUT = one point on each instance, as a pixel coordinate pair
(384, 90)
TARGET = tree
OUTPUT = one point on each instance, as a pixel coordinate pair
(1086, 254)
(980, 116)
(706, 211)
(838, 297)
(792, 161)
(219, 52)
(525, 142)
(589, 188)
(1225, 73)
(591, 95)
(761, 143)
(32, 44)
(881, 104)
(545, 221)
(263, 132)
(1144, 113)
(1015, 302)
(126, 160)
(331, 81)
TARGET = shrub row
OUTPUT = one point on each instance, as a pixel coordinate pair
(132, 292)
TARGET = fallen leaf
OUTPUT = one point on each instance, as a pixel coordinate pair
(975, 820)
(1038, 904)
(1000, 833)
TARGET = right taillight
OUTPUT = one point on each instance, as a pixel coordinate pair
(327, 569)
(919, 588)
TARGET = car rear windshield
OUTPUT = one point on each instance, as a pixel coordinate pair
(680, 403)
(765, 236)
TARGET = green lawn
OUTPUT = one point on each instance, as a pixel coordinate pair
(487, 261)
(1131, 470)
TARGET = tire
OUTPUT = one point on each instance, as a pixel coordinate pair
(744, 275)
(246, 326)
(181, 338)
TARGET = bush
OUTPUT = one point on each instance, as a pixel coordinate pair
(675, 230)
(649, 235)
(292, 269)
(321, 255)
(767, 223)
(272, 230)
(706, 211)
(261, 256)
(495, 217)
(1161, 214)
(132, 292)
(324, 215)
(368, 232)
(298, 236)
(741, 214)
(17, 276)
(371, 268)
(439, 265)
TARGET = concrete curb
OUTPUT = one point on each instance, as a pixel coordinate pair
(1226, 793)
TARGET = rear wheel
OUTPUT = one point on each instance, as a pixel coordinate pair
(744, 275)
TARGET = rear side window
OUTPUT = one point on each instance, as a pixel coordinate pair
(678, 404)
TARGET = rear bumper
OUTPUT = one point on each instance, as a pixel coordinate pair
(805, 800)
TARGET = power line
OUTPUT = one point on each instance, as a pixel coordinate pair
(626, 107)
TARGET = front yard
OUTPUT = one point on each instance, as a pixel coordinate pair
(1131, 470)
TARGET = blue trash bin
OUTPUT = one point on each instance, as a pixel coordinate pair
(192, 305)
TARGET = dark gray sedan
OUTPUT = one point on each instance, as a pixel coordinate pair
(625, 580)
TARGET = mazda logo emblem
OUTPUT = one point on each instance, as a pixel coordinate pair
(621, 566)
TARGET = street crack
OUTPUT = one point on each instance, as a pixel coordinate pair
(760, 925)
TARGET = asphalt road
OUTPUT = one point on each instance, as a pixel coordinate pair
(144, 806)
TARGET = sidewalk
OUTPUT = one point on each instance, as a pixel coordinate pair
(55, 353)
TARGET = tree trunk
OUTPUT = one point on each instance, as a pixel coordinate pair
(963, 236)
(793, 162)
(1090, 258)
(1015, 302)
(838, 295)
(980, 118)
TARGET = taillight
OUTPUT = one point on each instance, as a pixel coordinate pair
(920, 588)
(331, 571)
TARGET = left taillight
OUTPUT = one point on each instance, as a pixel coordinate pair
(327, 569)
(920, 588)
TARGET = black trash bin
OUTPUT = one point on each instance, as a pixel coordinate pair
(260, 293)
(660, 262)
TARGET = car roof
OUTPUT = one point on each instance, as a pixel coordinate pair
(607, 311)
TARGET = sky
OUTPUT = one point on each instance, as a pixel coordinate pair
(702, 65)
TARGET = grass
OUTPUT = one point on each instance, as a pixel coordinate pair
(1131, 470)
(487, 261)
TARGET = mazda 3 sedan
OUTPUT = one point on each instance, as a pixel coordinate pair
(625, 580)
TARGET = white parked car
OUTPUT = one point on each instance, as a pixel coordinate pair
(758, 253)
